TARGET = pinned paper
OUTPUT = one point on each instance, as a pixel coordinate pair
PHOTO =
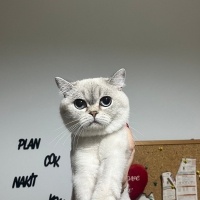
(169, 186)
(186, 185)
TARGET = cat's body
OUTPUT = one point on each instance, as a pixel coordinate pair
(95, 111)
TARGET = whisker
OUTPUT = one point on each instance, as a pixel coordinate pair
(59, 135)
(68, 136)
(135, 138)
(79, 132)
(65, 141)
(76, 120)
(141, 134)
(74, 129)
(59, 140)
(60, 127)
(74, 139)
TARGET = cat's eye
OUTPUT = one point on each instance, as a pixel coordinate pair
(80, 104)
(105, 101)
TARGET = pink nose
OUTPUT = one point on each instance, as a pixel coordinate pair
(93, 113)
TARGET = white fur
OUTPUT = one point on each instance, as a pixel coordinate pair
(100, 151)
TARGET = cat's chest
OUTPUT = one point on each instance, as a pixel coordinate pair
(100, 147)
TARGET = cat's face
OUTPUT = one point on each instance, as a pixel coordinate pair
(93, 106)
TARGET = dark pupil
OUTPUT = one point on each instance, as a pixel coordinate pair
(79, 103)
(105, 101)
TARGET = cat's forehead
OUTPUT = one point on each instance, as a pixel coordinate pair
(93, 89)
(91, 80)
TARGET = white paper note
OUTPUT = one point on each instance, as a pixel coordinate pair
(186, 185)
(168, 185)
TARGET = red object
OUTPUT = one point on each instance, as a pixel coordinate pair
(137, 179)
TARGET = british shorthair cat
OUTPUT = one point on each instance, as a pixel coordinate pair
(95, 111)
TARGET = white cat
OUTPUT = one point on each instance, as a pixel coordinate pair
(96, 111)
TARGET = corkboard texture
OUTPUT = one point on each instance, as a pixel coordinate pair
(163, 156)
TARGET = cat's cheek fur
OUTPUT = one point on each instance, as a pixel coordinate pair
(69, 113)
(119, 121)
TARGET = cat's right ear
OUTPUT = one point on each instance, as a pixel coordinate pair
(63, 85)
(118, 79)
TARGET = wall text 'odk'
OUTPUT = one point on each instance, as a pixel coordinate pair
(32, 144)
(24, 181)
(51, 160)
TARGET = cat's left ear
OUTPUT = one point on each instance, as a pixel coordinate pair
(63, 85)
(118, 79)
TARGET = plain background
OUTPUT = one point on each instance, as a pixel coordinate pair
(157, 42)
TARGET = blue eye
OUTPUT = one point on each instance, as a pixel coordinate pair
(105, 101)
(80, 104)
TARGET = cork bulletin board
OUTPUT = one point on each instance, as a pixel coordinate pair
(162, 156)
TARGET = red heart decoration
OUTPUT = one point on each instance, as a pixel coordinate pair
(137, 179)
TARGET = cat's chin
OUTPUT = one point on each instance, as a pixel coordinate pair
(93, 129)
(95, 126)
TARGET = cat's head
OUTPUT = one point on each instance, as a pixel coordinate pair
(94, 106)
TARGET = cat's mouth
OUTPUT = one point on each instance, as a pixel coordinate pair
(95, 122)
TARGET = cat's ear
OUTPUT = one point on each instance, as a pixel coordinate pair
(118, 79)
(63, 85)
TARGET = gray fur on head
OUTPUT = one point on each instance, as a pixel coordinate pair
(107, 118)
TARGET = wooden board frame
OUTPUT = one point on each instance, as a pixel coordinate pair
(159, 156)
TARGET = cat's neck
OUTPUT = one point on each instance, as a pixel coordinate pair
(98, 133)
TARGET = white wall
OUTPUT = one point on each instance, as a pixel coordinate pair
(157, 42)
